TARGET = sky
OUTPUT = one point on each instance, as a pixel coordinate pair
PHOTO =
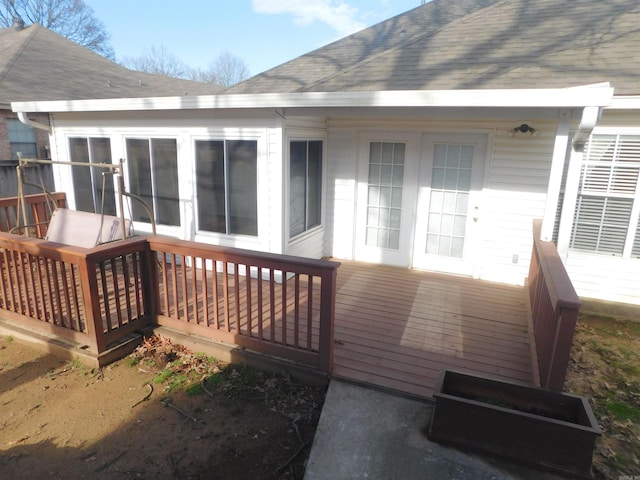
(262, 33)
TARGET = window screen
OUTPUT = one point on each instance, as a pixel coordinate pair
(227, 186)
(305, 186)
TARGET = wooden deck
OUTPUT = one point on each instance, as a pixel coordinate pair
(397, 328)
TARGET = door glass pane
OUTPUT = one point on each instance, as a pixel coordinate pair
(210, 186)
(449, 200)
(243, 186)
(386, 179)
(165, 161)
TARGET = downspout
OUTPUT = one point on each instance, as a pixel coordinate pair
(22, 116)
(590, 117)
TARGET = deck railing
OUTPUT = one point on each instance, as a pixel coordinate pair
(92, 297)
(38, 209)
(275, 304)
(554, 309)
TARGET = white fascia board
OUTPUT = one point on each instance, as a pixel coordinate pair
(599, 96)
(631, 102)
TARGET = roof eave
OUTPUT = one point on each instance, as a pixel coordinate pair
(630, 102)
(598, 96)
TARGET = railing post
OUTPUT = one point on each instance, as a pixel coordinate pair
(327, 319)
(565, 327)
(554, 310)
(93, 313)
(150, 284)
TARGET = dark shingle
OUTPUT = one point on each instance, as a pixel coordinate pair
(475, 44)
(38, 64)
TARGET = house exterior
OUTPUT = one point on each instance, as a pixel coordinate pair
(430, 141)
(38, 64)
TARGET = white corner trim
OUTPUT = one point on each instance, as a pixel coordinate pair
(555, 177)
(574, 97)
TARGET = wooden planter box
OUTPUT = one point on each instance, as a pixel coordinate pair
(552, 430)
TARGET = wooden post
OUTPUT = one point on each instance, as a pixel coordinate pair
(327, 319)
(93, 313)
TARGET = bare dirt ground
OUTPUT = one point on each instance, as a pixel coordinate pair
(150, 416)
(605, 368)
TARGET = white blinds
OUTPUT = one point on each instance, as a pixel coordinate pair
(607, 194)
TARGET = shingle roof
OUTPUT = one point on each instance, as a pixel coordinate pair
(475, 44)
(38, 64)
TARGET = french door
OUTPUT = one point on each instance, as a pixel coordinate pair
(447, 233)
(387, 168)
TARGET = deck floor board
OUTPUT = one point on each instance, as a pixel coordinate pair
(397, 328)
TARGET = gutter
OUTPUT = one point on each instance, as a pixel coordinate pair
(590, 117)
(32, 123)
(572, 97)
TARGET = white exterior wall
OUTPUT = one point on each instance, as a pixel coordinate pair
(599, 276)
(514, 194)
(186, 128)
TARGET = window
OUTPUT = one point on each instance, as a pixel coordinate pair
(305, 185)
(90, 186)
(608, 203)
(153, 176)
(22, 138)
(227, 186)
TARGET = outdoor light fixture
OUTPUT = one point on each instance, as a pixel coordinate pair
(524, 128)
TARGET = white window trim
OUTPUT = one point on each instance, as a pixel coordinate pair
(571, 198)
(258, 241)
(301, 135)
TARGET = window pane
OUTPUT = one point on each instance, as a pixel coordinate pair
(601, 224)
(314, 193)
(297, 187)
(210, 186)
(101, 153)
(22, 138)
(635, 252)
(139, 161)
(243, 186)
(83, 193)
(608, 189)
(165, 168)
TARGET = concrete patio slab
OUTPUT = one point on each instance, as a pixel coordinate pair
(374, 435)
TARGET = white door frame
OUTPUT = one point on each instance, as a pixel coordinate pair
(362, 251)
(469, 263)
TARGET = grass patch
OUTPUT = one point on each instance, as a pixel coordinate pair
(623, 411)
(131, 361)
(10, 338)
(605, 368)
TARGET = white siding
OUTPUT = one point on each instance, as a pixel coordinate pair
(517, 175)
(309, 244)
(340, 189)
(515, 195)
(603, 277)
